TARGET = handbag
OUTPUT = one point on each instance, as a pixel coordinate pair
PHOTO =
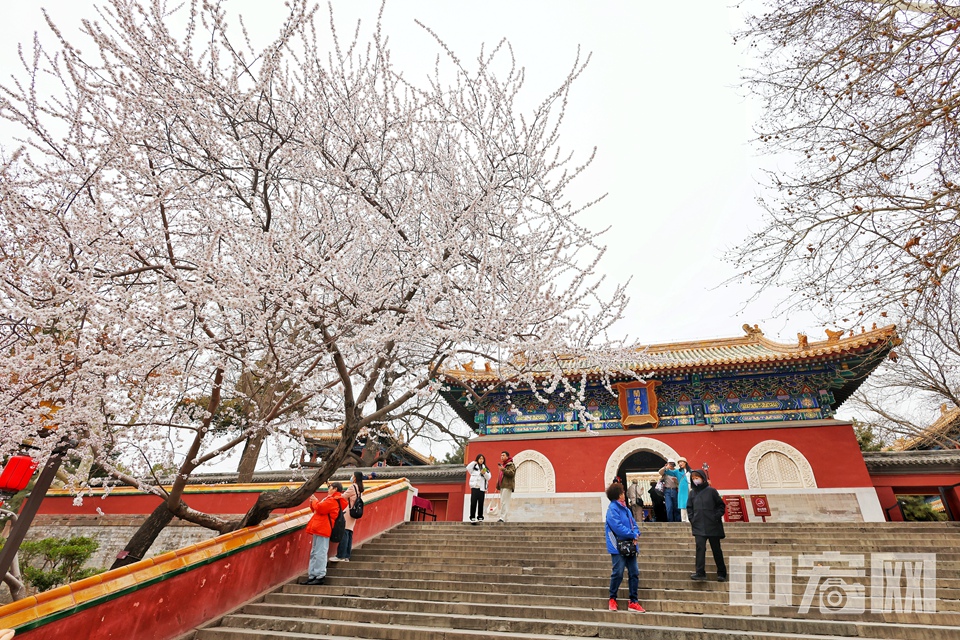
(626, 548)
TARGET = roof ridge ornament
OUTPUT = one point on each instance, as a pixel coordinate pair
(833, 336)
(753, 332)
(802, 341)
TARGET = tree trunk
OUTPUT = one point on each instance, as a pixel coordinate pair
(143, 539)
(14, 580)
(251, 453)
(286, 498)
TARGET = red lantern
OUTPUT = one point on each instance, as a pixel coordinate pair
(16, 474)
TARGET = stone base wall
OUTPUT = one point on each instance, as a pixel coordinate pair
(812, 507)
(802, 505)
(113, 533)
(817, 505)
(545, 507)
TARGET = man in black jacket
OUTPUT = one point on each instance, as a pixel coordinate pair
(659, 506)
(705, 508)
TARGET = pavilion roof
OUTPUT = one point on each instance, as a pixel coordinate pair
(330, 438)
(750, 350)
(930, 461)
(946, 427)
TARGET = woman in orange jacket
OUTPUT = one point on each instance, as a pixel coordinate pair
(325, 513)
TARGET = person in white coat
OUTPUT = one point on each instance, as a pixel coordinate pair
(354, 491)
(479, 478)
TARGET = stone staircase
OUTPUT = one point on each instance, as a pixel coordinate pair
(456, 582)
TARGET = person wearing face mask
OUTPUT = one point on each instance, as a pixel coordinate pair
(705, 508)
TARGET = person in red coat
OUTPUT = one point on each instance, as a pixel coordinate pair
(325, 512)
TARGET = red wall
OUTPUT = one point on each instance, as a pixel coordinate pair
(890, 485)
(122, 503)
(447, 499)
(579, 462)
(172, 607)
(447, 502)
(175, 605)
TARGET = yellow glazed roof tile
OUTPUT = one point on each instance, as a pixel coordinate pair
(753, 348)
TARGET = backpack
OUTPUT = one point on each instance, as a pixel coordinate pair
(339, 525)
(356, 511)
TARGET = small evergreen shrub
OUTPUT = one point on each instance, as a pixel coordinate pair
(52, 562)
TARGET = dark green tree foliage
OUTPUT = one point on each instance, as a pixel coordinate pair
(917, 509)
(867, 437)
(52, 562)
(455, 456)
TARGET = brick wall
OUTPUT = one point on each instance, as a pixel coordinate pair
(112, 532)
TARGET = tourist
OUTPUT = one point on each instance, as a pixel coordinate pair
(671, 485)
(635, 500)
(479, 477)
(621, 527)
(354, 491)
(506, 483)
(706, 509)
(325, 513)
(684, 489)
(656, 498)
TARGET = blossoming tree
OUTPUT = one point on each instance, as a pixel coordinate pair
(863, 97)
(193, 229)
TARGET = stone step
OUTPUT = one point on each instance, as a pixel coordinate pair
(558, 575)
(579, 600)
(824, 528)
(356, 608)
(830, 524)
(416, 627)
(945, 555)
(457, 581)
(554, 529)
(947, 564)
(679, 537)
(597, 550)
(592, 588)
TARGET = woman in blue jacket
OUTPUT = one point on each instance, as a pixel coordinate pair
(622, 526)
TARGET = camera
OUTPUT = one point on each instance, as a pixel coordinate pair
(836, 596)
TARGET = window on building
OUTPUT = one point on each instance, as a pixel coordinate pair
(778, 471)
(531, 478)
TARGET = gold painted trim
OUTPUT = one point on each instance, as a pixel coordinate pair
(628, 420)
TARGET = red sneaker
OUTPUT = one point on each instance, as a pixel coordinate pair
(613, 604)
(636, 608)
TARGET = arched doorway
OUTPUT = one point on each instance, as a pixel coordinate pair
(642, 465)
(632, 447)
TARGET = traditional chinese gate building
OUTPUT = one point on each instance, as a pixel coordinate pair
(757, 414)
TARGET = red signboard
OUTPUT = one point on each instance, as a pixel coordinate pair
(760, 506)
(736, 509)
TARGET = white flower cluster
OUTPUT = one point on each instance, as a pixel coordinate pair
(202, 244)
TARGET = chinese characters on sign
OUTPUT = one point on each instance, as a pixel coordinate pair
(761, 506)
(638, 403)
(736, 509)
(836, 582)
